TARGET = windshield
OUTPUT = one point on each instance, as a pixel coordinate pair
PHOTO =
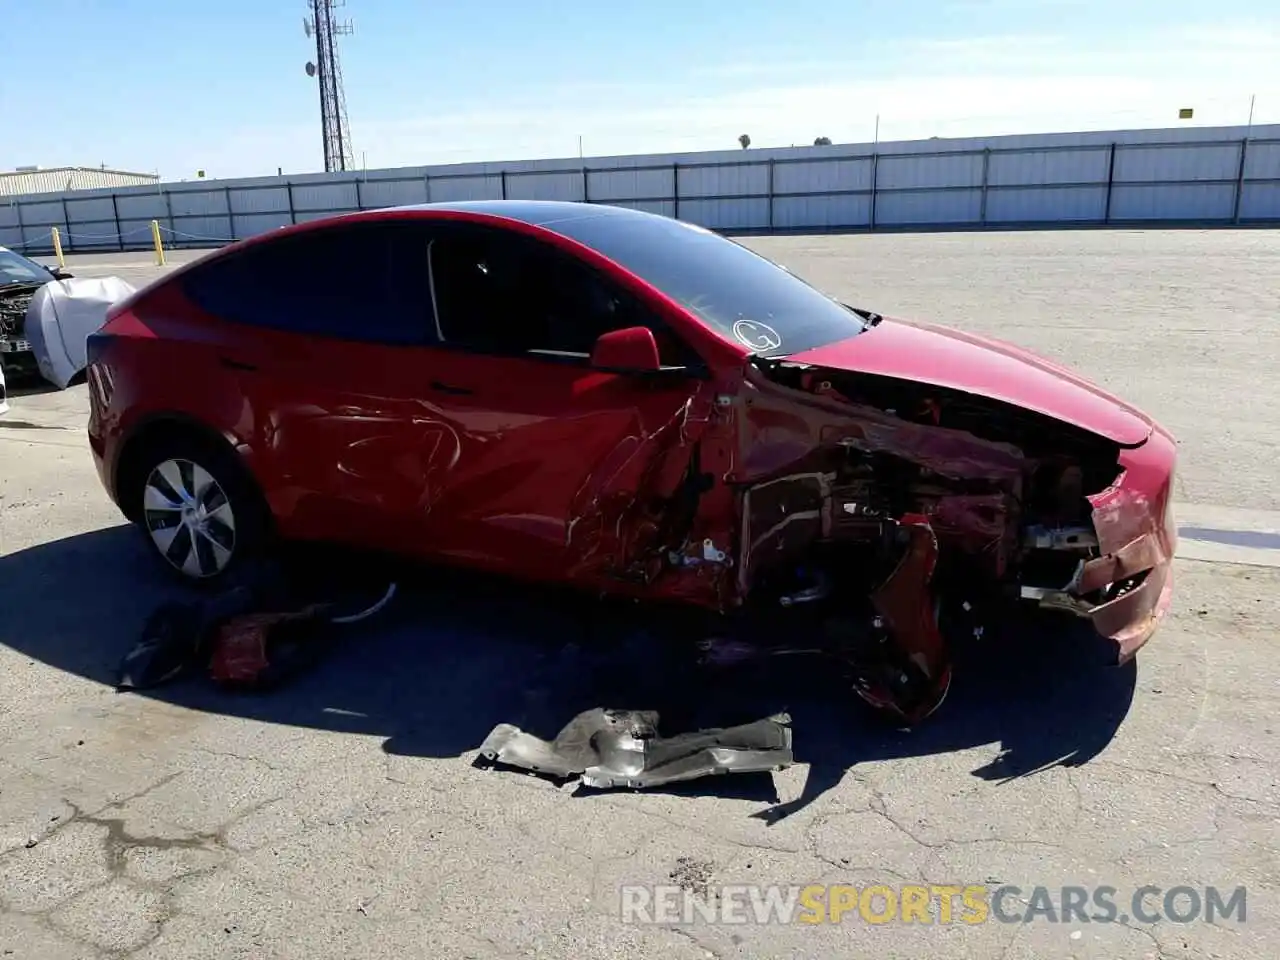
(740, 294)
(17, 269)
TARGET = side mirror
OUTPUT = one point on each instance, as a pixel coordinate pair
(633, 350)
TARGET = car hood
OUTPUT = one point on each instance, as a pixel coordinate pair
(987, 368)
(61, 317)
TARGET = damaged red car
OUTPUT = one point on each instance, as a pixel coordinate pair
(635, 406)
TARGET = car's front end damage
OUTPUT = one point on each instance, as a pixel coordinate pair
(877, 518)
(1125, 584)
(20, 279)
(16, 353)
(46, 315)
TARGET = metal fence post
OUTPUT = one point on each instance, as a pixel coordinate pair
(772, 164)
(288, 186)
(675, 191)
(231, 217)
(22, 230)
(586, 185)
(1235, 209)
(875, 176)
(426, 185)
(173, 226)
(66, 222)
(502, 175)
(115, 215)
(1111, 179)
(986, 171)
(359, 196)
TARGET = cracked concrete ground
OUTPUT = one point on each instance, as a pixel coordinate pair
(342, 816)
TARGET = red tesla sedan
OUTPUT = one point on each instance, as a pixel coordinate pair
(632, 405)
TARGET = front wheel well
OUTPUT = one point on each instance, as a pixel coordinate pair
(158, 431)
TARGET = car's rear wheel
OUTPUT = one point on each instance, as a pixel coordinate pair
(199, 510)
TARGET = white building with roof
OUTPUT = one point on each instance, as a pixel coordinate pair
(28, 180)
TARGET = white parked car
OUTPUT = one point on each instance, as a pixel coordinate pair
(46, 316)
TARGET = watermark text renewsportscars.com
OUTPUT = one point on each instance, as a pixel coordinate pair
(931, 904)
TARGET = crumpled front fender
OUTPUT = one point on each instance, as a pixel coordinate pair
(1137, 539)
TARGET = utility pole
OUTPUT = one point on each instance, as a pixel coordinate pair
(334, 129)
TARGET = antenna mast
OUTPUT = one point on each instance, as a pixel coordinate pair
(333, 101)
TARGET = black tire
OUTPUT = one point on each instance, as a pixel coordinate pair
(204, 492)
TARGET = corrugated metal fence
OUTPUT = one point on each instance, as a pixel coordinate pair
(1225, 175)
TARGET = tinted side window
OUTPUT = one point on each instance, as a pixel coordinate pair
(358, 282)
(507, 294)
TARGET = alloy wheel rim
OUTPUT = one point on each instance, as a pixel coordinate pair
(189, 518)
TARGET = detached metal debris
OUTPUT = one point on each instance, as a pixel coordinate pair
(622, 748)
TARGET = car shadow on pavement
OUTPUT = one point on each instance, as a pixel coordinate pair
(457, 653)
(28, 385)
(12, 423)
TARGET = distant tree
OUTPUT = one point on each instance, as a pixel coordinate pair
(745, 141)
(822, 142)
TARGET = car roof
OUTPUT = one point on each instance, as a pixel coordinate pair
(540, 213)
(556, 216)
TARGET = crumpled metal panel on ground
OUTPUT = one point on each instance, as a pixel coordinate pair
(621, 748)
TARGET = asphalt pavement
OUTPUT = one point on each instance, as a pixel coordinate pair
(343, 815)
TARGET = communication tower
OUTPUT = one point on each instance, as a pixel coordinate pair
(324, 27)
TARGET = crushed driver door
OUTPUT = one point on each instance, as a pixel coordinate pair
(562, 471)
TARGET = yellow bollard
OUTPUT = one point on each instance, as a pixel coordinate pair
(155, 238)
(57, 248)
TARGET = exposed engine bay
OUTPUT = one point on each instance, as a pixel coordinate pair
(915, 509)
(13, 311)
(15, 351)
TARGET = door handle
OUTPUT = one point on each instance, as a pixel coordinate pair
(439, 387)
(236, 364)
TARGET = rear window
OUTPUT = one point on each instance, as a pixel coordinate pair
(364, 282)
(740, 294)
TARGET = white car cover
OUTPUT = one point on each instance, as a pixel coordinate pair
(4, 396)
(60, 318)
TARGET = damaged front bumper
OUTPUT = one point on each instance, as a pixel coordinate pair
(1126, 588)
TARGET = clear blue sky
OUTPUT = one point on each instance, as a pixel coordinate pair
(178, 85)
